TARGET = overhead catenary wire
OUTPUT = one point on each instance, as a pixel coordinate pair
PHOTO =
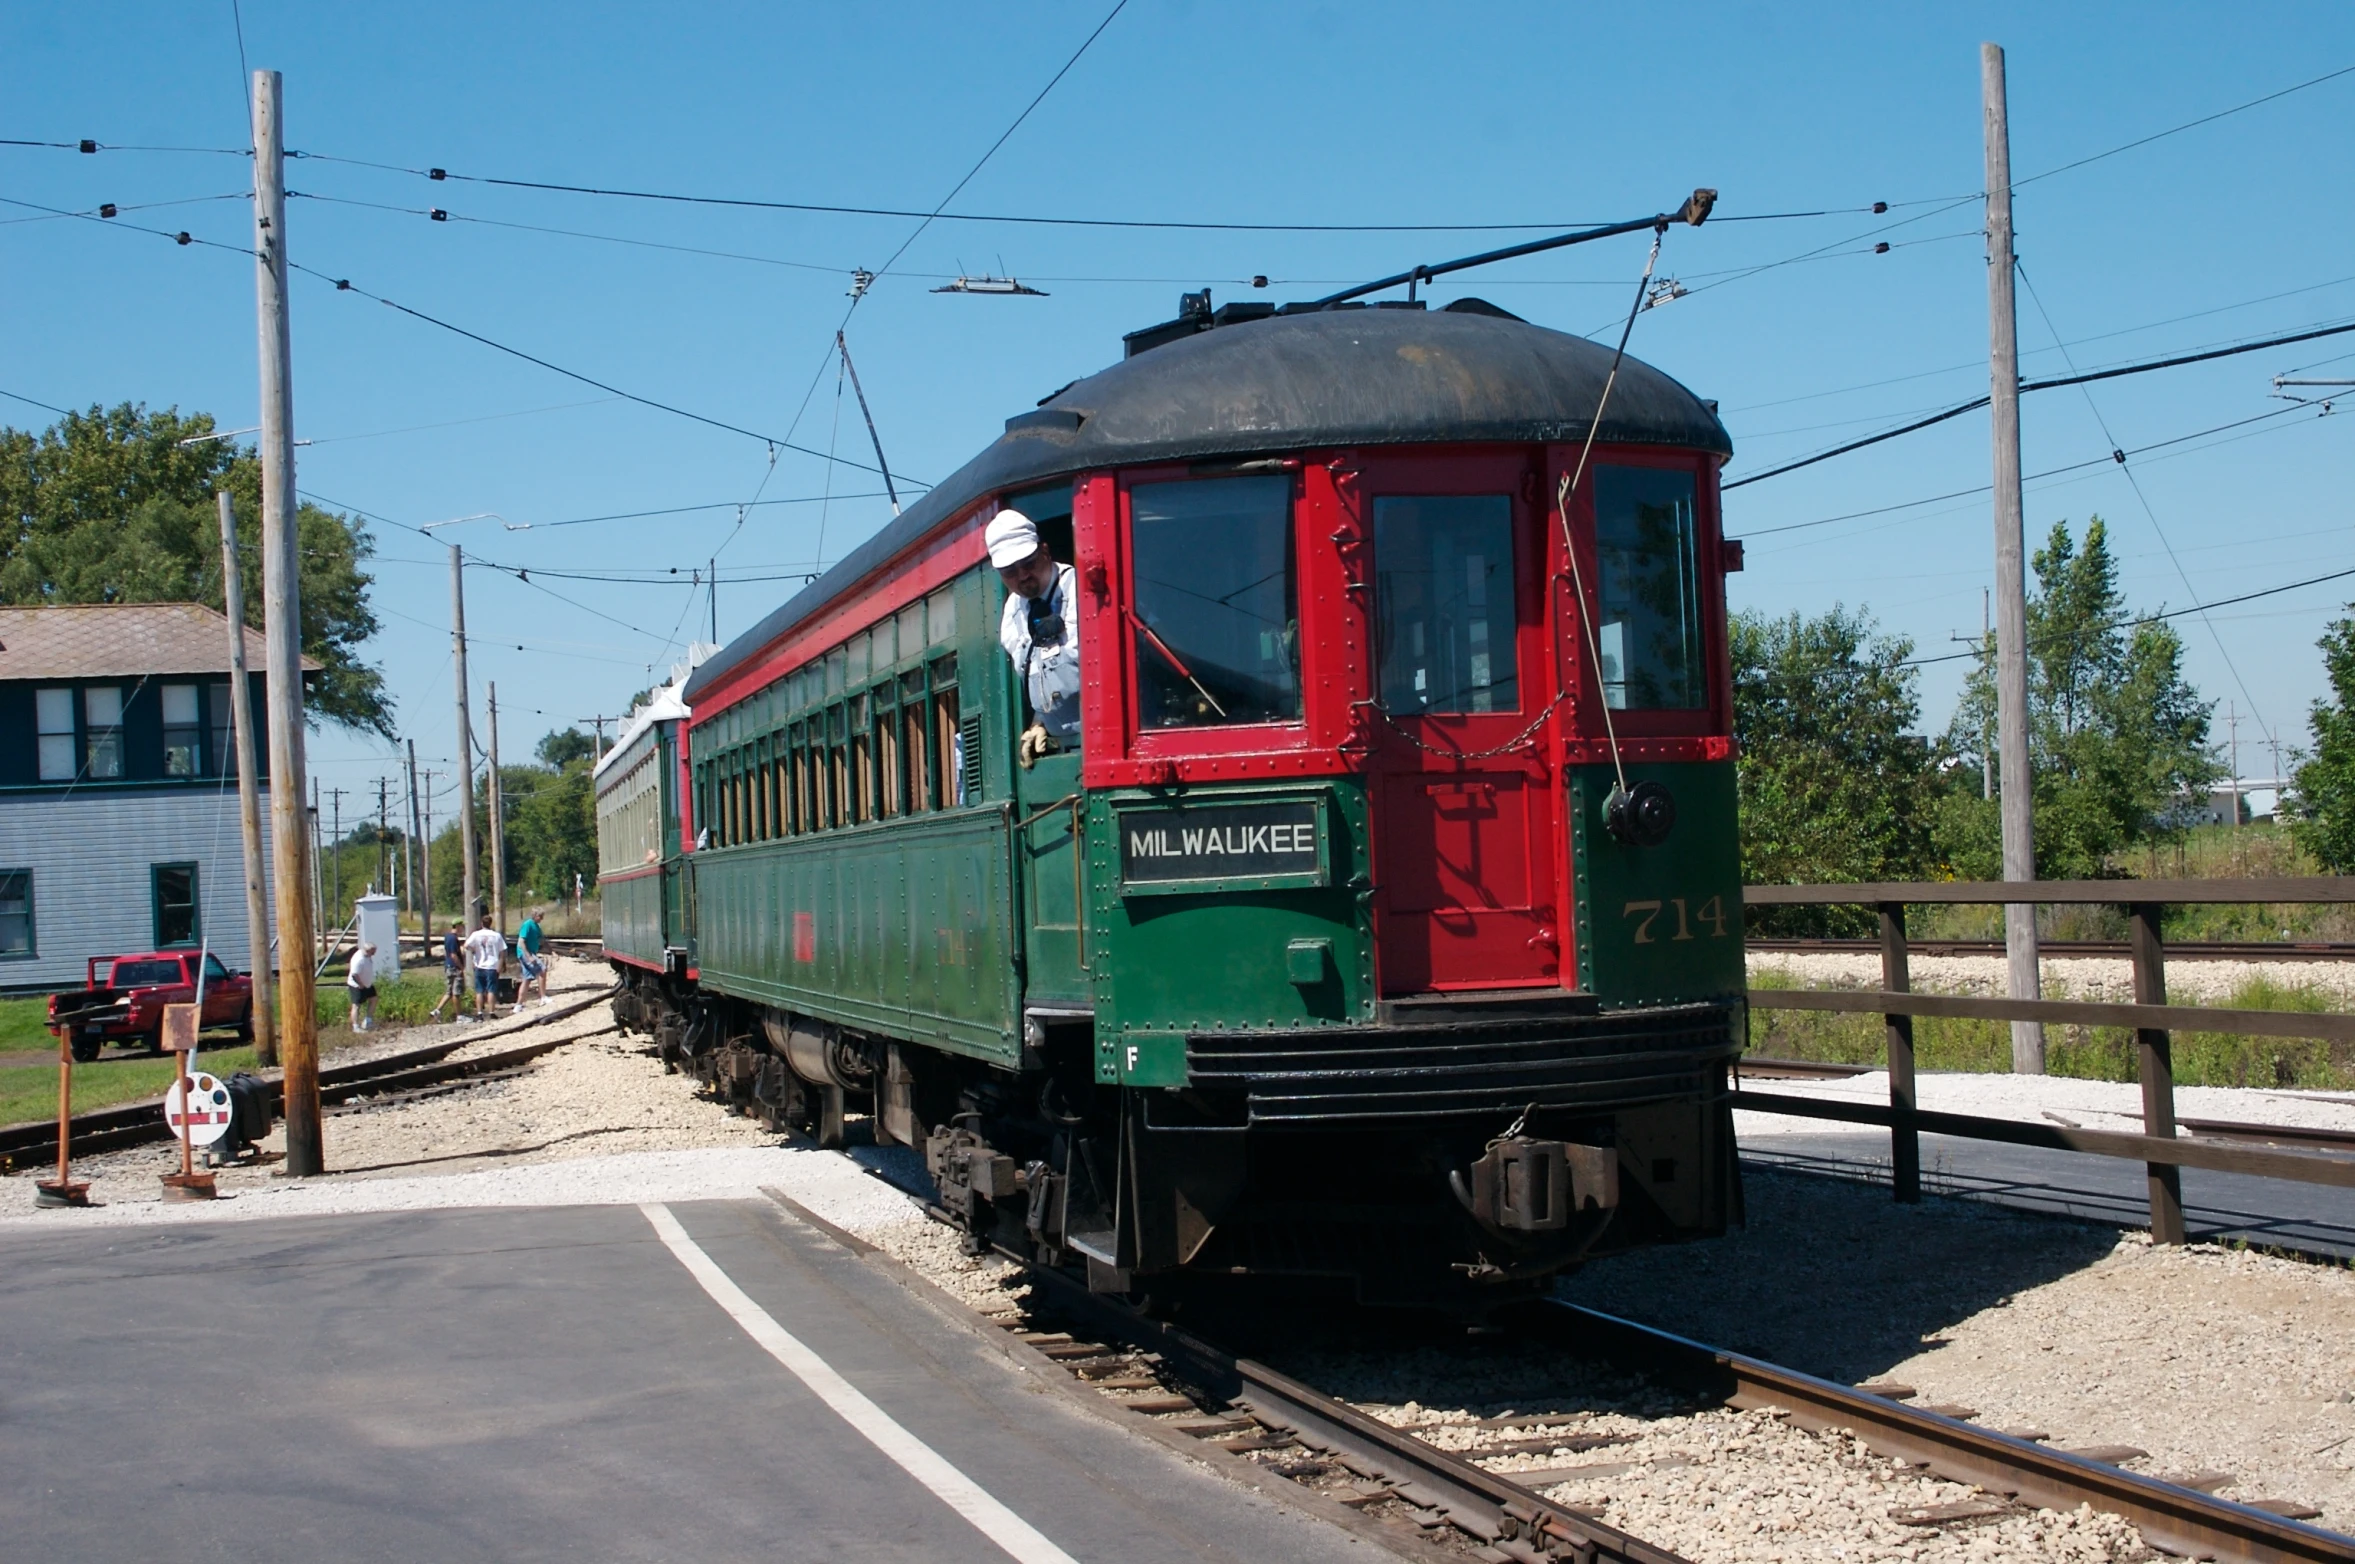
(1194, 225)
(2050, 384)
(2160, 617)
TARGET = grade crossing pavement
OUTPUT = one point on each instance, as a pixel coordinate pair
(555, 1383)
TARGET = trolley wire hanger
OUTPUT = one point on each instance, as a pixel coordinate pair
(1694, 212)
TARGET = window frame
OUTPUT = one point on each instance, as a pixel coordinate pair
(71, 733)
(155, 903)
(32, 948)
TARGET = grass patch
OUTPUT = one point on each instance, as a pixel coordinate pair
(405, 1002)
(2081, 1052)
(32, 1093)
(22, 1028)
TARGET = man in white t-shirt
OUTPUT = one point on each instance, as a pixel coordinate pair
(359, 983)
(1039, 630)
(484, 950)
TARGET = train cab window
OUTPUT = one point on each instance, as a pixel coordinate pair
(1649, 585)
(1443, 595)
(1216, 609)
(948, 743)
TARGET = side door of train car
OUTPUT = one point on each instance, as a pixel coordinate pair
(1470, 893)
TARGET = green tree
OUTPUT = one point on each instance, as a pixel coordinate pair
(562, 746)
(1833, 785)
(110, 506)
(2118, 738)
(2325, 783)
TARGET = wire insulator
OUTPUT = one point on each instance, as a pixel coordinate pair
(87, 145)
(438, 215)
(437, 173)
(1882, 248)
(106, 209)
(1879, 207)
(182, 237)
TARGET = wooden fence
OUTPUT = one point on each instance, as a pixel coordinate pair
(2163, 1151)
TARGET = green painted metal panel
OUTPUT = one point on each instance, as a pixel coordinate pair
(633, 913)
(901, 928)
(1050, 882)
(1164, 964)
(1659, 923)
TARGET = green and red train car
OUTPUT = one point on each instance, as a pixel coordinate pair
(1385, 926)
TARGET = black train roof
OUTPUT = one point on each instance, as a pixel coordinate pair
(1344, 377)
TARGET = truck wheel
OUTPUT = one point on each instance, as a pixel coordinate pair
(245, 1024)
(153, 1043)
(86, 1050)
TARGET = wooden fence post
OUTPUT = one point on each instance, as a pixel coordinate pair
(2156, 1061)
(1905, 1142)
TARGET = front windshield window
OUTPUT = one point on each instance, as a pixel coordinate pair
(1650, 625)
(1216, 618)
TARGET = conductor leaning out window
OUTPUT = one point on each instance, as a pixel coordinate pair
(1040, 631)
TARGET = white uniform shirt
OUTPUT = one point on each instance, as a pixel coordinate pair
(1050, 673)
(484, 947)
(361, 973)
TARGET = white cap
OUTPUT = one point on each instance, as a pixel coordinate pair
(1011, 538)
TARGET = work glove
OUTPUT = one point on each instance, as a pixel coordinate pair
(1035, 742)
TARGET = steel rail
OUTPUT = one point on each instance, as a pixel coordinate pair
(2179, 1520)
(1516, 1522)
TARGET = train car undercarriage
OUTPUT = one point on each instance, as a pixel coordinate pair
(1606, 1133)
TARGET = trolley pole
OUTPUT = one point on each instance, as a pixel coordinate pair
(470, 906)
(249, 807)
(425, 852)
(498, 826)
(298, 1038)
(2018, 788)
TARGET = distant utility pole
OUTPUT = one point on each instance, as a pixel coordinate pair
(2011, 581)
(470, 907)
(498, 826)
(410, 850)
(282, 629)
(597, 745)
(383, 830)
(249, 806)
(2232, 725)
(715, 600)
(425, 853)
(335, 848)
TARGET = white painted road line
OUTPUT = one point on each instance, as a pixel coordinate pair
(919, 1460)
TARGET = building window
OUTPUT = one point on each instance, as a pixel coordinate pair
(16, 913)
(174, 889)
(224, 718)
(183, 731)
(55, 712)
(102, 732)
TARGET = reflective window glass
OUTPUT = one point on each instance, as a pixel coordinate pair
(1443, 573)
(102, 716)
(1218, 629)
(183, 733)
(1648, 580)
(54, 710)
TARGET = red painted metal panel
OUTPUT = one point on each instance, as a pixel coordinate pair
(640, 963)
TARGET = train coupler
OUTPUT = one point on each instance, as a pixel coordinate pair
(1520, 1185)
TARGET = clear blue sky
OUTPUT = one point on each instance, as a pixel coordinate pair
(1201, 112)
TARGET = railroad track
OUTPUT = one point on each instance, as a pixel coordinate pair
(2186, 950)
(1388, 1473)
(416, 1072)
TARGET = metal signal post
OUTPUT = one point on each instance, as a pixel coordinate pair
(282, 630)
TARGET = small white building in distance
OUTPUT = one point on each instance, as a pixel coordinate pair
(118, 789)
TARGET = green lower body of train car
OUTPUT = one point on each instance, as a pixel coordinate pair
(1200, 1077)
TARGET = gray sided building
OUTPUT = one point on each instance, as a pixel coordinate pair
(118, 787)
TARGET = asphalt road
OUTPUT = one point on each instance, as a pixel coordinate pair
(2319, 1218)
(521, 1385)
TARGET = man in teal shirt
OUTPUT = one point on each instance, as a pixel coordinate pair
(535, 964)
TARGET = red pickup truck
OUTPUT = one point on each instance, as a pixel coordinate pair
(126, 1003)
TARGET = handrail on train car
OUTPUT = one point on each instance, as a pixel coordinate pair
(2163, 1153)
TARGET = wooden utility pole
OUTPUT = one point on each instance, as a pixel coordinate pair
(2018, 790)
(425, 851)
(249, 806)
(498, 826)
(418, 898)
(471, 907)
(298, 1038)
(383, 828)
